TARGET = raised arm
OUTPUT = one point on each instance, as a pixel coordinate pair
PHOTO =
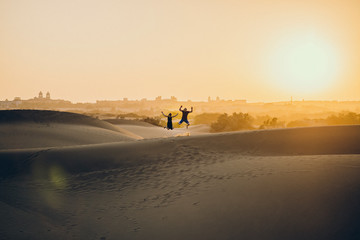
(180, 108)
(192, 109)
(175, 115)
(163, 114)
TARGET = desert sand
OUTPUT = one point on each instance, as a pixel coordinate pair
(134, 181)
(147, 130)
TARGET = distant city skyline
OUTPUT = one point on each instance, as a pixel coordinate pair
(47, 95)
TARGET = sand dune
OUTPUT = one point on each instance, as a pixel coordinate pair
(293, 141)
(129, 122)
(194, 129)
(48, 117)
(27, 135)
(147, 130)
(34, 129)
(159, 132)
(300, 183)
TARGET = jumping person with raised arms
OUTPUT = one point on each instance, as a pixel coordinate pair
(184, 117)
(169, 122)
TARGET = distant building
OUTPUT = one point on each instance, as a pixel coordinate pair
(209, 99)
(40, 95)
(158, 98)
(48, 95)
(172, 98)
(17, 101)
(125, 99)
(217, 99)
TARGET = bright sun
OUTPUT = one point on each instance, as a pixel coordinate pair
(302, 65)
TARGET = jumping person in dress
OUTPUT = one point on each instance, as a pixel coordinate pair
(169, 122)
(185, 114)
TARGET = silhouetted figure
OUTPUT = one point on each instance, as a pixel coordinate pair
(185, 114)
(169, 121)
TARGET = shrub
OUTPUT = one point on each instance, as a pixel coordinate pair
(272, 123)
(154, 121)
(343, 118)
(234, 122)
(206, 118)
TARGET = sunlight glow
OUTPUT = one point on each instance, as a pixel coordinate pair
(306, 64)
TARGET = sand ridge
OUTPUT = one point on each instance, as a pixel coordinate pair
(293, 141)
(35, 128)
(47, 117)
(148, 132)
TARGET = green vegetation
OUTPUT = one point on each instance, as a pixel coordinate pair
(206, 118)
(234, 122)
(244, 121)
(154, 121)
(129, 116)
(343, 118)
(272, 123)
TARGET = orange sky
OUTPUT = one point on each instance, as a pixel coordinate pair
(87, 50)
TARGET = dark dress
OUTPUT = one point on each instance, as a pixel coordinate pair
(169, 123)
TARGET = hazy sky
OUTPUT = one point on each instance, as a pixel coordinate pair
(259, 50)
